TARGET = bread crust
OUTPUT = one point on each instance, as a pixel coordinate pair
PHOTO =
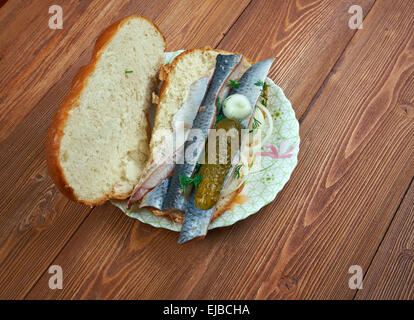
(55, 132)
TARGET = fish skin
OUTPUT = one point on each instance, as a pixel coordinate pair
(196, 220)
(156, 173)
(226, 65)
(155, 198)
(247, 85)
(258, 68)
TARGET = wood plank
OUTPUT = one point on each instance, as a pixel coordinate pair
(205, 21)
(307, 38)
(35, 58)
(390, 275)
(137, 261)
(36, 220)
(355, 164)
(2, 3)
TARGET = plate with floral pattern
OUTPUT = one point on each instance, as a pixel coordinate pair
(277, 157)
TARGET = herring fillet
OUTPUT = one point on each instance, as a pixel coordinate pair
(155, 198)
(226, 65)
(196, 220)
(157, 173)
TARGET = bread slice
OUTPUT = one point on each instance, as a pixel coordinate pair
(97, 144)
(187, 68)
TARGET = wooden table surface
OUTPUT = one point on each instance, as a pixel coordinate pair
(349, 201)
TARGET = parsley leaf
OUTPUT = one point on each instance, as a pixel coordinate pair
(186, 181)
(196, 180)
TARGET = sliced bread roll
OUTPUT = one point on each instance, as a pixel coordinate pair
(187, 68)
(98, 142)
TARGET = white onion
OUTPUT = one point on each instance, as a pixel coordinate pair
(237, 106)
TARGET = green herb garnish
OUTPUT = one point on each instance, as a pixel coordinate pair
(128, 71)
(263, 93)
(256, 124)
(197, 167)
(196, 180)
(186, 181)
(237, 171)
(234, 84)
(220, 117)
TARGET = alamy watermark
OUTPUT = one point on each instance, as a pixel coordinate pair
(355, 21)
(355, 282)
(56, 280)
(56, 20)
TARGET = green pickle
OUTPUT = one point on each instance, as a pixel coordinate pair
(214, 174)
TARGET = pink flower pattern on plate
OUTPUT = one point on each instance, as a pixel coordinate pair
(282, 154)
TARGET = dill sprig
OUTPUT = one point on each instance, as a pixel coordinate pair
(219, 114)
(237, 171)
(219, 118)
(218, 105)
(234, 84)
(256, 124)
(263, 93)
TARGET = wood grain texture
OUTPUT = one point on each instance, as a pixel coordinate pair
(36, 221)
(138, 261)
(307, 37)
(206, 21)
(390, 275)
(356, 162)
(35, 58)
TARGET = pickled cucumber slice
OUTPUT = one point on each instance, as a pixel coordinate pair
(214, 174)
